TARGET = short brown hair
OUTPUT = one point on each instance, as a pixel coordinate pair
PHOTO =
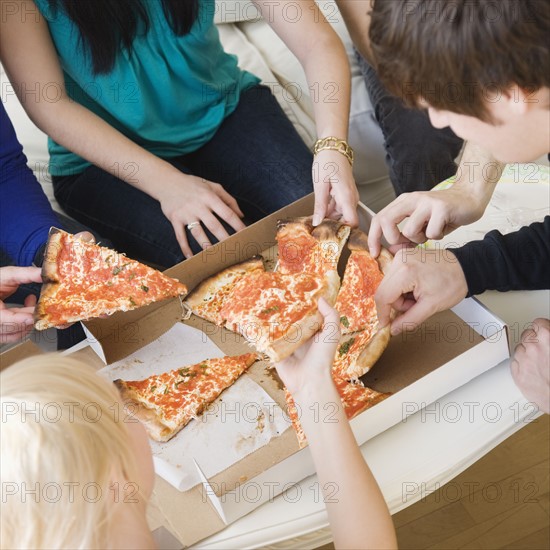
(458, 55)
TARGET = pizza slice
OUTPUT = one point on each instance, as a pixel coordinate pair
(166, 403)
(277, 312)
(84, 280)
(304, 248)
(363, 274)
(357, 354)
(207, 299)
(355, 398)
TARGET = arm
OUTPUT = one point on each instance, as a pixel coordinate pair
(358, 516)
(422, 282)
(434, 214)
(517, 261)
(28, 52)
(356, 14)
(25, 212)
(323, 57)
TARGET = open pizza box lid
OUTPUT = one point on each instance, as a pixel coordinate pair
(444, 353)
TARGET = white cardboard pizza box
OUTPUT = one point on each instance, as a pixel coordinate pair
(488, 337)
(444, 353)
(418, 368)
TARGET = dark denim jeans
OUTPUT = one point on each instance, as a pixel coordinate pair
(418, 155)
(256, 155)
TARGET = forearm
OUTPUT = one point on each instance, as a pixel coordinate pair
(478, 174)
(357, 511)
(328, 75)
(356, 14)
(25, 216)
(90, 137)
(323, 57)
(517, 261)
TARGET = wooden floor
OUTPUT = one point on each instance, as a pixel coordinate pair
(501, 502)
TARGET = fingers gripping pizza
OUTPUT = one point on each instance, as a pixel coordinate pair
(277, 312)
(84, 280)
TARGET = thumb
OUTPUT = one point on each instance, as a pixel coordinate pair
(85, 236)
(30, 300)
(410, 320)
(327, 311)
(349, 215)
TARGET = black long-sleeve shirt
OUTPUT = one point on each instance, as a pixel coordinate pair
(517, 261)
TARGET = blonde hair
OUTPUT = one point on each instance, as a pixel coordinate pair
(63, 442)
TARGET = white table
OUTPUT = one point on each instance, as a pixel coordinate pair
(432, 446)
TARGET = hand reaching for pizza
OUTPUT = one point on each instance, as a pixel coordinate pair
(195, 204)
(16, 322)
(309, 367)
(336, 194)
(531, 364)
(431, 215)
(419, 283)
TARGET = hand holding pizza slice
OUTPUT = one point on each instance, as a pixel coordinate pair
(83, 280)
(307, 376)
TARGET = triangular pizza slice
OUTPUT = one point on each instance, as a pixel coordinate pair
(83, 280)
(363, 340)
(166, 403)
(362, 275)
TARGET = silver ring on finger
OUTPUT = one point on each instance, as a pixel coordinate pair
(192, 225)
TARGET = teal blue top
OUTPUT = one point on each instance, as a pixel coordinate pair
(169, 95)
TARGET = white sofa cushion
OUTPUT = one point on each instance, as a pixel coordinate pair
(235, 11)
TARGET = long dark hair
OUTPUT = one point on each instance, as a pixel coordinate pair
(106, 26)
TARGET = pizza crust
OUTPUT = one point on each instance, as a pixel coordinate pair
(50, 278)
(151, 421)
(366, 359)
(207, 289)
(54, 245)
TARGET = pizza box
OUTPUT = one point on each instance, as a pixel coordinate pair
(418, 367)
